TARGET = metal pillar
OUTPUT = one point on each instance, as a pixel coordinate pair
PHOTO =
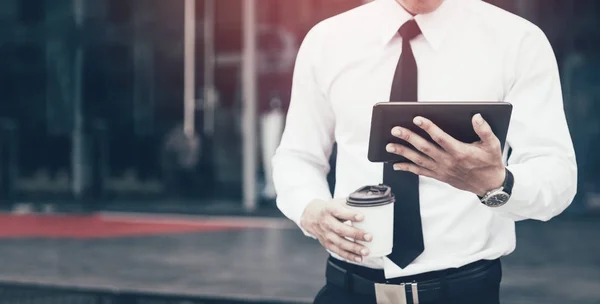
(210, 92)
(249, 105)
(189, 69)
(78, 160)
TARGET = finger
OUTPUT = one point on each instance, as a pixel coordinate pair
(484, 131)
(343, 213)
(337, 250)
(348, 245)
(343, 253)
(418, 142)
(414, 169)
(447, 142)
(414, 156)
(344, 230)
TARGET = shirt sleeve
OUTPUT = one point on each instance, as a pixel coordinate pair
(543, 159)
(301, 162)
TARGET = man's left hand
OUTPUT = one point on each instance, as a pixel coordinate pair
(476, 167)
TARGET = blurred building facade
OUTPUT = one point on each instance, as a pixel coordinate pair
(92, 93)
(104, 79)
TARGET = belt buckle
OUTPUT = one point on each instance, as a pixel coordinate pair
(396, 294)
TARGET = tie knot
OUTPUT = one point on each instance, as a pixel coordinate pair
(410, 30)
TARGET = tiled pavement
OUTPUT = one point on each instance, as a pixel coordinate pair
(555, 262)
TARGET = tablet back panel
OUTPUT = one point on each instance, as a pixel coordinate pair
(452, 117)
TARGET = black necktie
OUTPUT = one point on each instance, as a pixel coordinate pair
(408, 231)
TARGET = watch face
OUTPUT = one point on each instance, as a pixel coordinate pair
(497, 199)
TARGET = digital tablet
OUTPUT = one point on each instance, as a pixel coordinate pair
(455, 118)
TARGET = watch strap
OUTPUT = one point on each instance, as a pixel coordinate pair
(507, 186)
(509, 182)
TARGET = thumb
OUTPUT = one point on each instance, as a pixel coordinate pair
(338, 209)
(483, 129)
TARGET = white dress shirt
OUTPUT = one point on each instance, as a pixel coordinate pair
(469, 51)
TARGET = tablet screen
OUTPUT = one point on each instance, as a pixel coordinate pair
(455, 118)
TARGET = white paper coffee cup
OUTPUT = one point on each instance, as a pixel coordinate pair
(376, 204)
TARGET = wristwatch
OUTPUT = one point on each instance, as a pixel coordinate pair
(499, 197)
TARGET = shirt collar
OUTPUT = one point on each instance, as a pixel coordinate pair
(434, 25)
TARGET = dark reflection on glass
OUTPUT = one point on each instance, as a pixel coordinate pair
(131, 87)
(31, 12)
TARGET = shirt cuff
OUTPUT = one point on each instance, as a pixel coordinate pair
(294, 204)
(523, 192)
(297, 221)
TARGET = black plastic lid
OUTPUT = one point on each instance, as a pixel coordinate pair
(371, 196)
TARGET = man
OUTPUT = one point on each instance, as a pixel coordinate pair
(467, 197)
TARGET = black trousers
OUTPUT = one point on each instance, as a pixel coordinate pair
(489, 294)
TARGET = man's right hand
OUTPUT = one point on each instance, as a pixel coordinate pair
(325, 221)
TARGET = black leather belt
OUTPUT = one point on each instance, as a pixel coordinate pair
(428, 287)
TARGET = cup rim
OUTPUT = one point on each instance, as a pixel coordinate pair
(375, 203)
